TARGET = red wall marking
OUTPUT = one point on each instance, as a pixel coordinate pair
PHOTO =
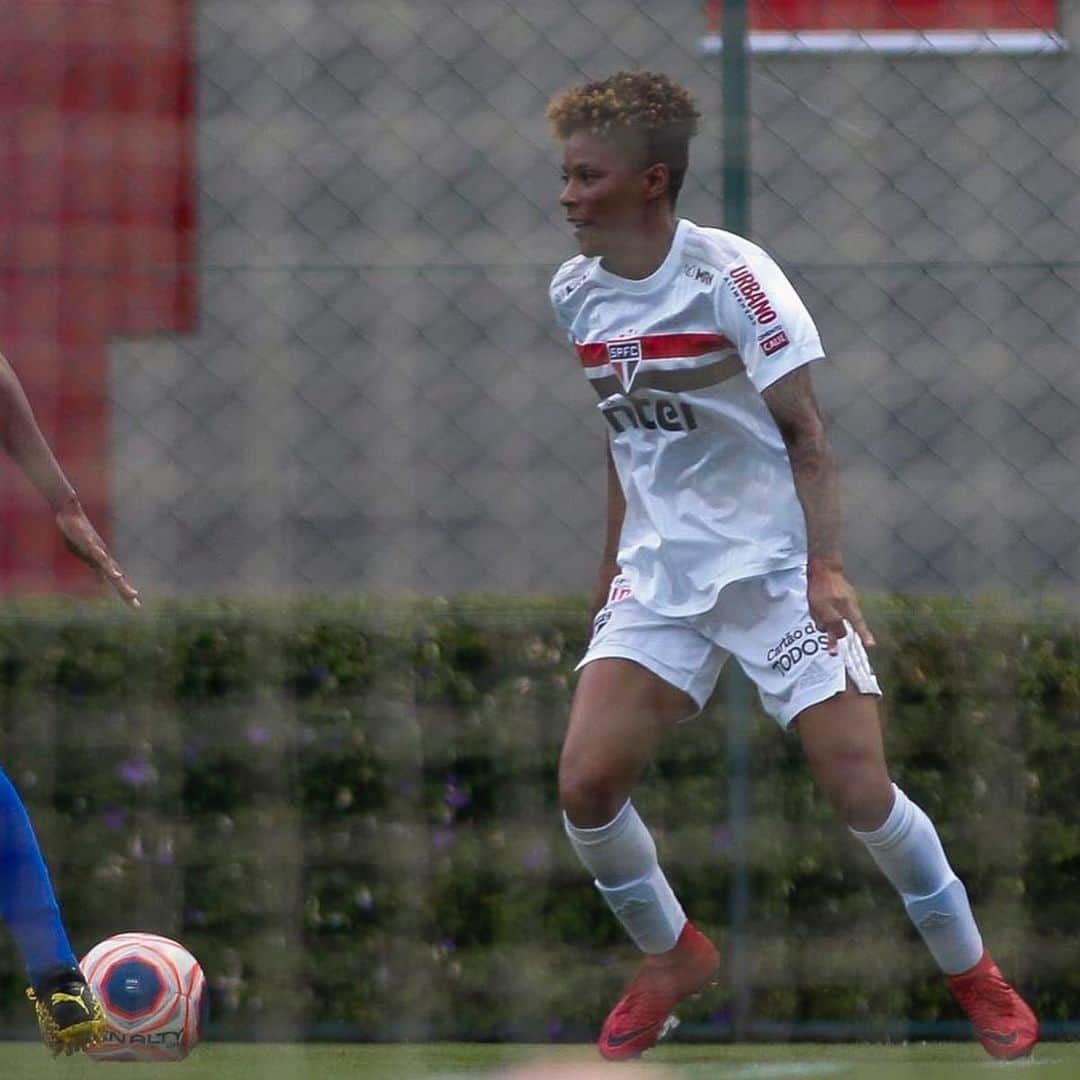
(97, 228)
(795, 15)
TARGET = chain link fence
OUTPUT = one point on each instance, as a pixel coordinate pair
(376, 397)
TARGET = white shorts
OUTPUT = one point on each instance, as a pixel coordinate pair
(764, 622)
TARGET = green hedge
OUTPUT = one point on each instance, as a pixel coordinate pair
(347, 810)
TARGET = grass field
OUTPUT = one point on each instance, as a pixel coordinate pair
(924, 1061)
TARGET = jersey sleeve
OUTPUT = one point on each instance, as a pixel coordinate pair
(759, 309)
(563, 285)
(558, 310)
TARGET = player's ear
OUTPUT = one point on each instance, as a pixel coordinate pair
(656, 180)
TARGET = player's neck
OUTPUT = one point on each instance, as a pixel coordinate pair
(642, 252)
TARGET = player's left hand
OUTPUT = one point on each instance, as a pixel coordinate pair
(83, 541)
(833, 603)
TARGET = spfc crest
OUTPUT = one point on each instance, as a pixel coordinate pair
(624, 358)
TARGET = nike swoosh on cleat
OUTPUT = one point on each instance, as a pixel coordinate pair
(993, 1036)
(622, 1040)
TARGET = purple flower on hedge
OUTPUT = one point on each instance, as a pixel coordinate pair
(258, 734)
(113, 818)
(193, 749)
(457, 798)
(138, 772)
(442, 839)
(721, 838)
(555, 1028)
(722, 1016)
(536, 858)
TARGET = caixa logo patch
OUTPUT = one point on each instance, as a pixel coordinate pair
(796, 646)
(774, 342)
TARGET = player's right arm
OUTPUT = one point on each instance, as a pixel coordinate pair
(564, 296)
(26, 445)
(616, 511)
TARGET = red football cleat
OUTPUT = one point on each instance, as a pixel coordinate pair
(642, 1016)
(1005, 1025)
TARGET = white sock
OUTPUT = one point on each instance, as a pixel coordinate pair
(908, 850)
(621, 856)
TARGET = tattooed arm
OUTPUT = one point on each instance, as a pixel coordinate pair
(832, 599)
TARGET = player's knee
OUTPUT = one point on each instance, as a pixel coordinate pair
(859, 789)
(590, 796)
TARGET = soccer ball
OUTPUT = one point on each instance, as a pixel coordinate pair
(154, 996)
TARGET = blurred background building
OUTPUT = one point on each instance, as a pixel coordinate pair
(347, 375)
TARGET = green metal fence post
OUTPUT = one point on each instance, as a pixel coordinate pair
(735, 86)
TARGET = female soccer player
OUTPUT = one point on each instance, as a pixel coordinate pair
(723, 538)
(67, 1011)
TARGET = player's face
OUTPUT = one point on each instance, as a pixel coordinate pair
(603, 194)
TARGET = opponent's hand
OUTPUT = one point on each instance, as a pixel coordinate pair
(832, 602)
(83, 541)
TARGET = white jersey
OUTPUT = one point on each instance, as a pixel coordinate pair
(679, 361)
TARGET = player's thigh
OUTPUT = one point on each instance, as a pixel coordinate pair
(641, 674)
(621, 709)
(830, 699)
(842, 738)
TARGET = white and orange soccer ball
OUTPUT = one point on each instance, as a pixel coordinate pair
(154, 996)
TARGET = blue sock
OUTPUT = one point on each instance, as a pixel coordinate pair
(27, 902)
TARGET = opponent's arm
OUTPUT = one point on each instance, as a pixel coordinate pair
(21, 437)
(832, 599)
(616, 511)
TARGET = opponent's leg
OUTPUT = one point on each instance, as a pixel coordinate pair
(843, 743)
(27, 901)
(620, 713)
(66, 1010)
